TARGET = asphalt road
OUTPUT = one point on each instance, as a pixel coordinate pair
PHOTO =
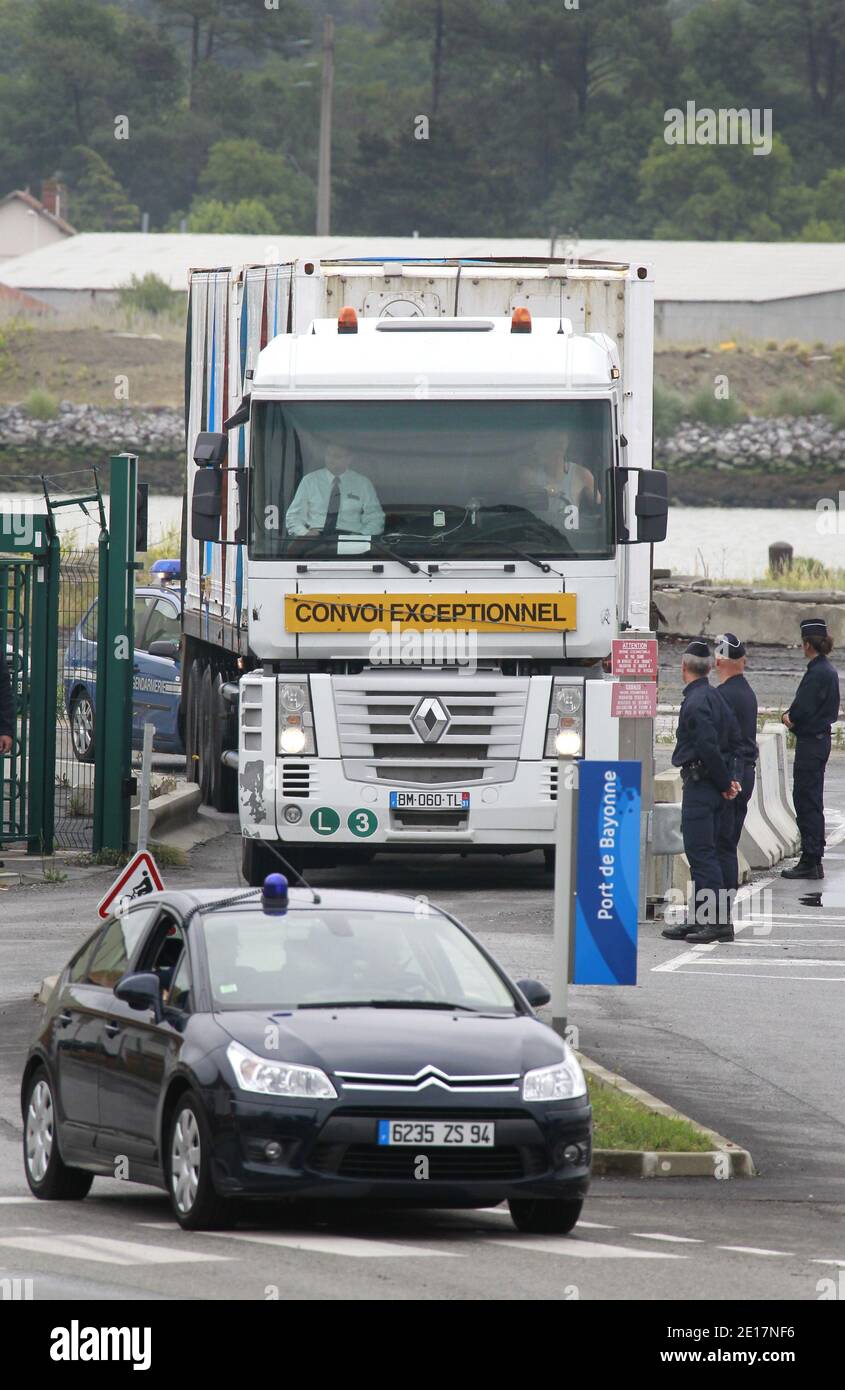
(746, 1038)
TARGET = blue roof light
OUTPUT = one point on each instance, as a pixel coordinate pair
(167, 569)
(274, 894)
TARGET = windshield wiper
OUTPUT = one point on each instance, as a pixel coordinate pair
(518, 554)
(387, 1004)
(386, 549)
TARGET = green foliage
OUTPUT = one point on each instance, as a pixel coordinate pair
(710, 410)
(542, 120)
(669, 410)
(825, 401)
(149, 294)
(40, 405)
(100, 204)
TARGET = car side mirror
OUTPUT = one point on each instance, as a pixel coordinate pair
(164, 648)
(536, 994)
(141, 991)
(651, 506)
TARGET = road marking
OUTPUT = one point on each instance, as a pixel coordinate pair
(654, 1235)
(841, 1263)
(753, 1250)
(581, 1249)
(685, 958)
(594, 1226)
(357, 1248)
(16, 1201)
(798, 960)
(103, 1250)
(795, 979)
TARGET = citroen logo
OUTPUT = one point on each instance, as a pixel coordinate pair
(430, 719)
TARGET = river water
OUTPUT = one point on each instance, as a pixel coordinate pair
(714, 542)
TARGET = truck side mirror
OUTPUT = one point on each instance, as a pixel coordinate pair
(210, 449)
(210, 452)
(651, 506)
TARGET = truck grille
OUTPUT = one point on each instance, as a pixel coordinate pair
(379, 742)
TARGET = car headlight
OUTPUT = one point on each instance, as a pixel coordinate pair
(295, 719)
(256, 1074)
(563, 1081)
(565, 725)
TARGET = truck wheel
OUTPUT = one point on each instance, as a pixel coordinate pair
(204, 736)
(257, 862)
(223, 785)
(190, 705)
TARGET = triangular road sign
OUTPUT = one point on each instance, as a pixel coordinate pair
(140, 877)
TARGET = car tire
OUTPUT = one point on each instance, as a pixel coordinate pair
(49, 1177)
(193, 1199)
(550, 1216)
(81, 718)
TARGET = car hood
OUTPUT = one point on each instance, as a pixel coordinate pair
(399, 1042)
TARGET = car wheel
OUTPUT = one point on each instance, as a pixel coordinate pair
(82, 727)
(552, 1216)
(48, 1176)
(196, 1205)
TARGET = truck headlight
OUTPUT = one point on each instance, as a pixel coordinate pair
(565, 727)
(563, 1081)
(253, 1073)
(295, 718)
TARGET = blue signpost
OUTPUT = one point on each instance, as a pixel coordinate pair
(608, 874)
(597, 876)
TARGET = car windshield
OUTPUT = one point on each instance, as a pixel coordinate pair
(322, 957)
(431, 479)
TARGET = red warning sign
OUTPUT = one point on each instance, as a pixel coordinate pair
(634, 700)
(634, 656)
(140, 877)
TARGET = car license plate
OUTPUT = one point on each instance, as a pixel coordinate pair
(429, 801)
(439, 1134)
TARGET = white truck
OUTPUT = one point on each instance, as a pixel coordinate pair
(419, 507)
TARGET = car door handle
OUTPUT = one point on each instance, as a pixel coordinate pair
(64, 1019)
(112, 1028)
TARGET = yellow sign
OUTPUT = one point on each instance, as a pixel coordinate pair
(420, 612)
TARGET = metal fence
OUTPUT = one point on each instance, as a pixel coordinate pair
(76, 699)
(15, 619)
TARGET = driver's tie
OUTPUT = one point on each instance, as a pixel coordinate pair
(330, 524)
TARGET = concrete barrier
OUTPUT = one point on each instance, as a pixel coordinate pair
(775, 809)
(772, 726)
(760, 843)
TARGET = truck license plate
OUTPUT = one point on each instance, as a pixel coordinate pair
(457, 1134)
(429, 801)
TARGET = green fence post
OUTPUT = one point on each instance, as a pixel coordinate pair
(118, 638)
(42, 682)
(97, 832)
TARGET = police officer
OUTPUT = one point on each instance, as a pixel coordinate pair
(735, 690)
(814, 709)
(707, 752)
(7, 708)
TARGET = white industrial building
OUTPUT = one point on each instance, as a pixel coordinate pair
(706, 291)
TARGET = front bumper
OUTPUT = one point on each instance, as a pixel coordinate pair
(330, 1152)
(338, 812)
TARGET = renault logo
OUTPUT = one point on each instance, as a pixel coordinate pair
(430, 719)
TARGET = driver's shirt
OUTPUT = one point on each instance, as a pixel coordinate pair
(359, 510)
(563, 496)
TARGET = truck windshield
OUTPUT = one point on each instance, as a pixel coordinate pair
(431, 479)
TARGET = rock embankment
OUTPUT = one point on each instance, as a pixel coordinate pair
(87, 429)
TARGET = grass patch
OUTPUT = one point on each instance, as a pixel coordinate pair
(40, 405)
(622, 1123)
(825, 401)
(803, 573)
(166, 856)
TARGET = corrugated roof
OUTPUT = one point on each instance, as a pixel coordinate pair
(703, 271)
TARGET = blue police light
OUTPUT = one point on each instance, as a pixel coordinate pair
(167, 570)
(274, 894)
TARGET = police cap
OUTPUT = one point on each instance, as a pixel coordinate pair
(729, 645)
(814, 627)
(698, 648)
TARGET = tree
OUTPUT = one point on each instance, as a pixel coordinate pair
(248, 217)
(240, 172)
(213, 29)
(98, 202)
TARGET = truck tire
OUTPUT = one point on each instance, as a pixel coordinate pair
(223, 780)
(190, 718)
(257, 862)
(204, 736)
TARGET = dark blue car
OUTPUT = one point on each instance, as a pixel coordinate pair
(331, 1047)
(156, 674)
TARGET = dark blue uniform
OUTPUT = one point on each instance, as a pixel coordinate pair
(740, 698)
(707, 752)
(7, 703)
(814, 709)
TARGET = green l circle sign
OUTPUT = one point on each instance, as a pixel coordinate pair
(324, 821)
(362, 822)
